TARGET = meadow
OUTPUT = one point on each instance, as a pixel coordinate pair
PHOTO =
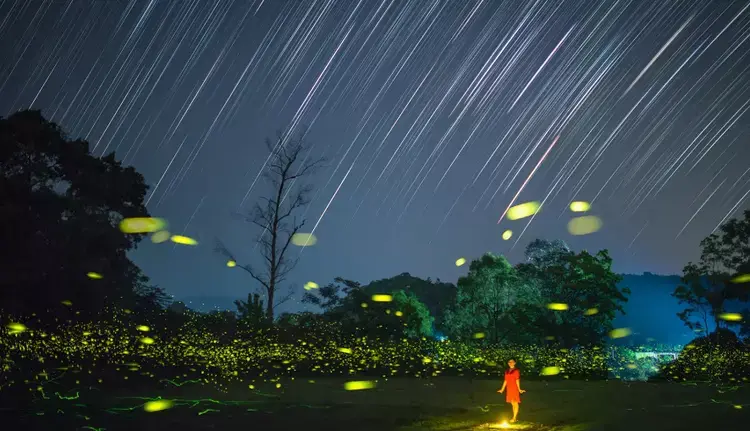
(124, 374)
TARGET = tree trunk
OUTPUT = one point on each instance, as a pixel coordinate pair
(269, 306)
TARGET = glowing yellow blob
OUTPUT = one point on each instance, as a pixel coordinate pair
(147, 340)
(363, 305)
(359, 385)
(584, 225)
(507, 234)
(231, 263)
(304, 239)
(731, 317)
(527, 209)
(478, 335)
(345, 350)
(550, 371)
(160, 237)
(743, 278)
(179, 239)
(94, 276)
(619, 333)
(311, 285)
(16, 328)
(399, 313)
(426, 360)
(382, 298)
(157, 406)
(557, 306)
(142, 224)
(580, 206)
(460, 261)
(590, 312)
(143, 328)
(67, 302)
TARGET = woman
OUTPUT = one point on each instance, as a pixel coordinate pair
(513, 384)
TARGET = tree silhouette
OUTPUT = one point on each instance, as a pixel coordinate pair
(62, 250)
(708, 285)
(251, 311)
(288, 163)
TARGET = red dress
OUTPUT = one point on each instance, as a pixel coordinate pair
(511, 386)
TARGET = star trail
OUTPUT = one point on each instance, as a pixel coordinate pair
(435, 117)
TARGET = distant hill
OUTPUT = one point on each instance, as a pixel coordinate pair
(651, 310)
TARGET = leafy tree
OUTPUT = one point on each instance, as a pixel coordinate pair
(586, 284)
(543, 253)
(275, 216)
(436, 296)
(708, 286)
(492, 299)
(61, 208)
(350, 305)
(416, 316)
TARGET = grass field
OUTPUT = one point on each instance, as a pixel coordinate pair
(448, 404)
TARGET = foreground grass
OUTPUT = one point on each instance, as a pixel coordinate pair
(448, 404)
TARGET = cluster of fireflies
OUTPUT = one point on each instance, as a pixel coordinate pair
(581, 225)
(263, 359)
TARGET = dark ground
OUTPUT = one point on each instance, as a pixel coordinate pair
(448, 404)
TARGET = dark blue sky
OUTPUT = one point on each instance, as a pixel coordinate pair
(450, 101)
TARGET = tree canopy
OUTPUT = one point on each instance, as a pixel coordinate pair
(64, 206)
(396, 312)
(558, 295)
(491, 300)
(718, 278)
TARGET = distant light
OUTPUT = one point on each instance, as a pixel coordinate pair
(620, 333)
(584, 225)
(731, 317)
(158, 405)
(580, 206)
(184, 240)
(94, 276)
(550, 371)
(524, 210)
(382, 298)
(304, 239)
(744, 278)
(590, 312)
(142, 224)
(160, 237)
(359, 385)
(557, 306)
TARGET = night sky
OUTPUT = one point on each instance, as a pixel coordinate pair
(433, 116)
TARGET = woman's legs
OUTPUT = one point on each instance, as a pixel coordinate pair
(515, 411)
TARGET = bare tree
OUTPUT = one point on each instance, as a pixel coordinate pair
(287, 164)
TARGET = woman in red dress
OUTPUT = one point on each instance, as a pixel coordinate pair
(513, 384)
